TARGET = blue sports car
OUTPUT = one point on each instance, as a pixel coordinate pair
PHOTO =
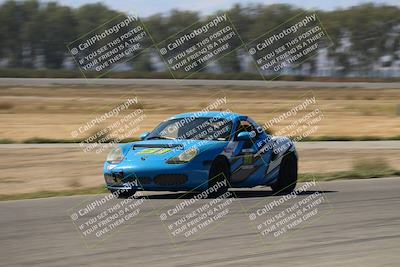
(203, 150)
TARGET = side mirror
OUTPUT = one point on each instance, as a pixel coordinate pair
(144, 135)
(244, 136)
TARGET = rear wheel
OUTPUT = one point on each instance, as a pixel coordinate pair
(287, 178)
(123, 193)
(218, 177)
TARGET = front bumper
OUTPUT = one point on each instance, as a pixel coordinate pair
(141, 176)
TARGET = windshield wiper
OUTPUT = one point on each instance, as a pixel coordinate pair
(160, 137)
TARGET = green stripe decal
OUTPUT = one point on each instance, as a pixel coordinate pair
(156, 151)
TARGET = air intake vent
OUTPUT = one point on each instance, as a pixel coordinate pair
(170, 179)
(144, 180)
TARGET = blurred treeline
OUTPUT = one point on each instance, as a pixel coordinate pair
(363, 36)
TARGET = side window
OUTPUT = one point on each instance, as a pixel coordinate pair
(245, 126)
(260, 132)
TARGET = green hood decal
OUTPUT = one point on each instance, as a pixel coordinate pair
(154, 151)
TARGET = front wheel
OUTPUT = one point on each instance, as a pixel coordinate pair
(218, 177)
(287, 178)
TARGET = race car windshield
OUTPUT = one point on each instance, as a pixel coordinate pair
(193, 128)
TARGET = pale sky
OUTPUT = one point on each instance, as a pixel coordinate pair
(149, 7)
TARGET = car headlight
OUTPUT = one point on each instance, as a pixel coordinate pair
(184, 157)
(115, 156)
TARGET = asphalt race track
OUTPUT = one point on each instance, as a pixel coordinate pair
(194, 82)
(357, 224)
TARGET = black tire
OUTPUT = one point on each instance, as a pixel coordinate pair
(287, 178)
(125, 193)
(219, 172)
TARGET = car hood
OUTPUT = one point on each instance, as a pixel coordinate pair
(161, 150)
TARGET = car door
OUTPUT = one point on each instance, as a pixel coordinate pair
(249, 160)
